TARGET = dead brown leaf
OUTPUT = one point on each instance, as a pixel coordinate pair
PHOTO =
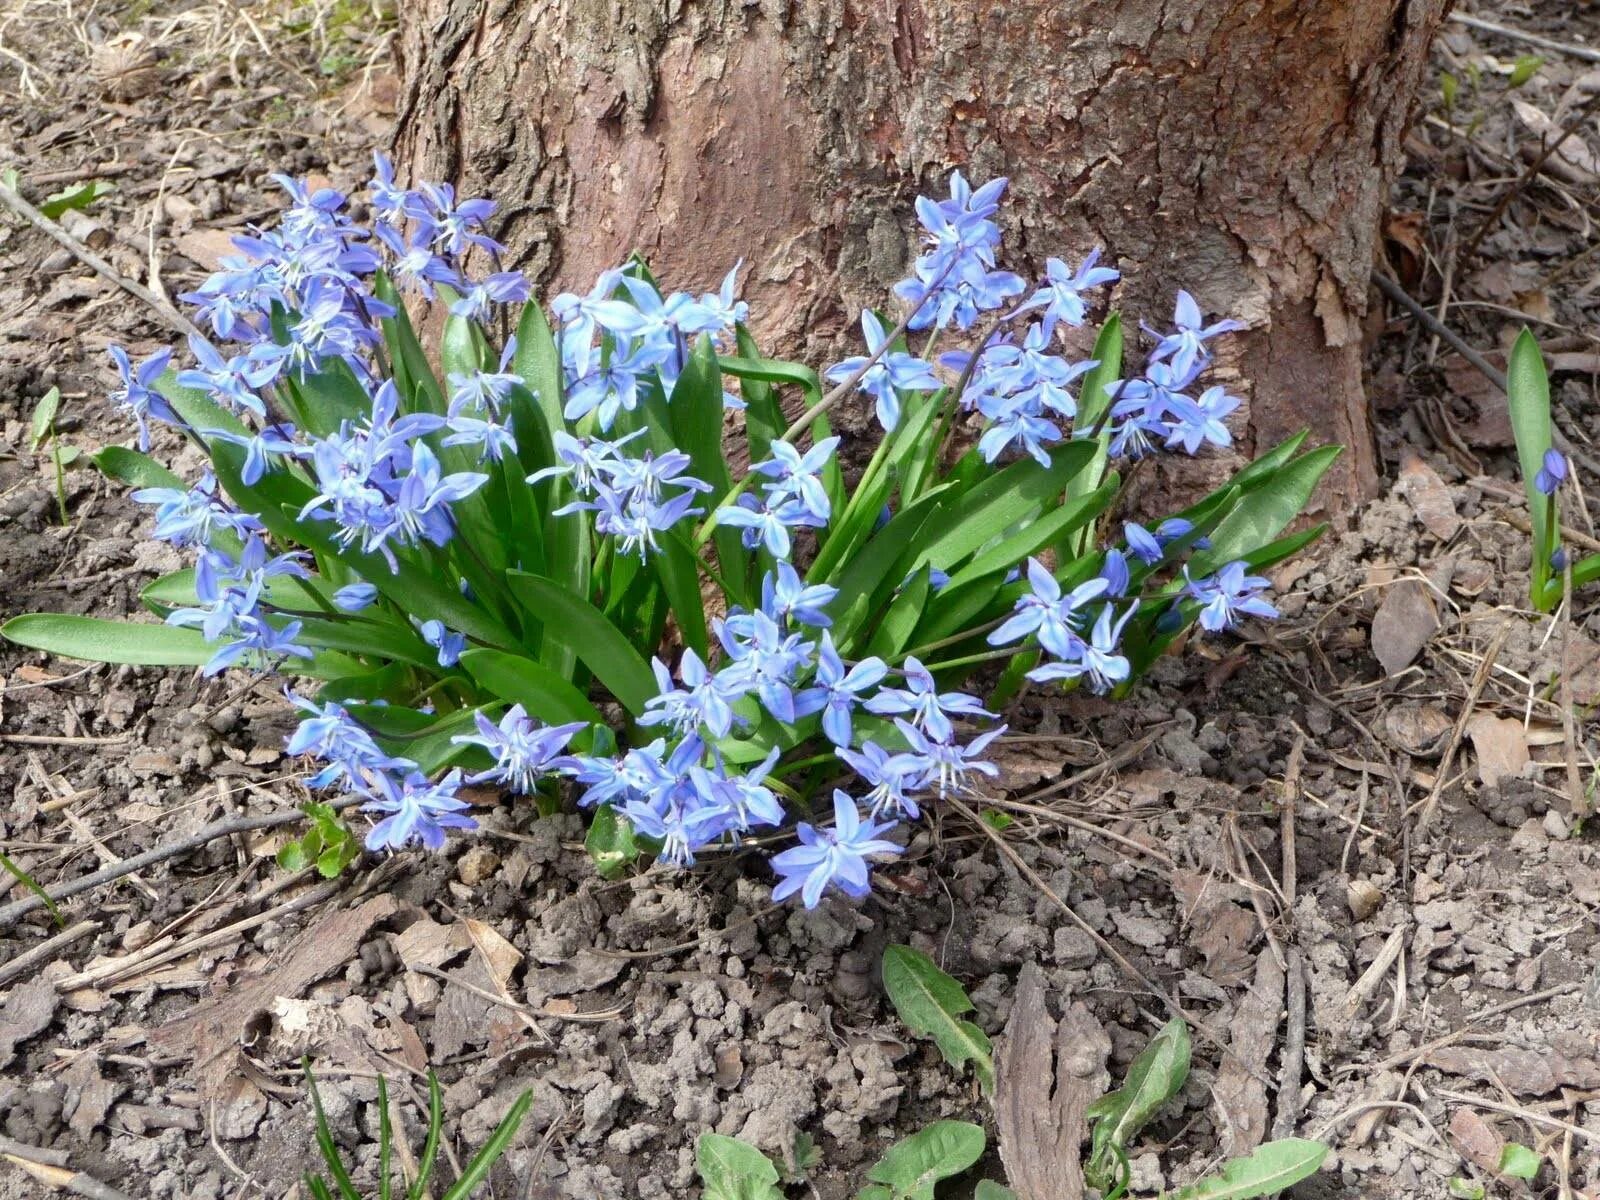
(1476, 1139)
(1501, 744)
(1572, 160)
(1524, 1072)
(89, 1095)
(1419, 730)
(1428, 496)
(28, 1009)
(1404, 622)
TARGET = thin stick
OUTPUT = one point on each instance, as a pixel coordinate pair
(217, 829)
(100, 266)
(1286, 1112)
(63, 1178)
(45, 951)
(1549, 147)
(1479, 678)
(1406, 1056)
(1433, 325)
(1569, 732)
(1532, 39)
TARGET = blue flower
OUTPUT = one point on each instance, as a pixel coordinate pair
(494, 441)
(354, 597)
(1062, 293)
(1186, 348)
(946, 763)
(524, 751)
(799, 477)
(1097, 657)
(1552, 473)
(447, 642)
(331, 734)
(834, 857)
(763, 525)
(231, 382)
(930, 708)
(764, 659)
(704, 699)
(743, 799)
(894, 371)
(835, 691)
(260, 448)
(892, 778)
(786, 598)
(191, 516)
(137, 392)
(1047, 614)
(419, 811)
(1195, 422)
(1228, 595)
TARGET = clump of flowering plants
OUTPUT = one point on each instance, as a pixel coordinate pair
(523, 558)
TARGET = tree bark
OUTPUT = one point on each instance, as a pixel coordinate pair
(1241, 149)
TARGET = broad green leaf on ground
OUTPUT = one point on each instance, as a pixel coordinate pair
(1271, 1169)
(734, 1170)
(134, 469)
(546, 696)
(1528, 395)
(942, 1150)
(988, 1189)
(610, 842)
(931, 1003)
(1153, 1079)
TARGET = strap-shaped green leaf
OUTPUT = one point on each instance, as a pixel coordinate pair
(1263, 513)
(133, 468)
(763, 415)
(577, 624)
(545, 695)
(1094, 399)
(772, 370)
(1528, 395)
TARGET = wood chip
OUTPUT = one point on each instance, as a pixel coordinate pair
(1046, 1075)
(1240, 1095)
(1524, 1072)
(1476, 1139)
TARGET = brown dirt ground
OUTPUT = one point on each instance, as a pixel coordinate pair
(165, 1062)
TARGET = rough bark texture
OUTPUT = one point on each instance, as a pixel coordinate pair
(1239, 148)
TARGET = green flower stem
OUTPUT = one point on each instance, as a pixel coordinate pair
(972, 659)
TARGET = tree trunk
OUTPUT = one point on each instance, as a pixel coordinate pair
(1241, 149)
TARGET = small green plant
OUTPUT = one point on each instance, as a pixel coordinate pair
(931, 1003)
(1544, 472)
(328, 842)
(343, 1186)
(43, 429)
(80, 196)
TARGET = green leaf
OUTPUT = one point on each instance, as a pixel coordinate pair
(1518, 1161)
(79, 198)
(545, 695)
(942, 1150)
(1271, 1169)
(931, 1003)
(413, 374)
(32, 884)
(1523, 69)
(44, 418)
(1075, 513)
(1465, 1189)
(734, 1170)
(132, 468)
(1153, 1079)
(96, 640)
(1449, 88)
(575, 623)
(610, 842)
(675, 566)
(1005, 499)
(900, 621)
(1094, 399)
(771, 370)
(1261, 514)
(1528, 395)
(331, 395)
(763, 415)
(988, 1189)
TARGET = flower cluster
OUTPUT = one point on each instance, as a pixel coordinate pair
(479, 566)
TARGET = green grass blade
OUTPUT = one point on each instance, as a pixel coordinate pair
(1528, 395)
(430, 1148)
(484, 1159)
(593, 639)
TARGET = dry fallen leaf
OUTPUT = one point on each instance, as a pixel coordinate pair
(1476, 1139)
(1418, 729)
(1428, 496)
(1404, 622)
(1501, 744)
(1573, 160)
(1524, 1072)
